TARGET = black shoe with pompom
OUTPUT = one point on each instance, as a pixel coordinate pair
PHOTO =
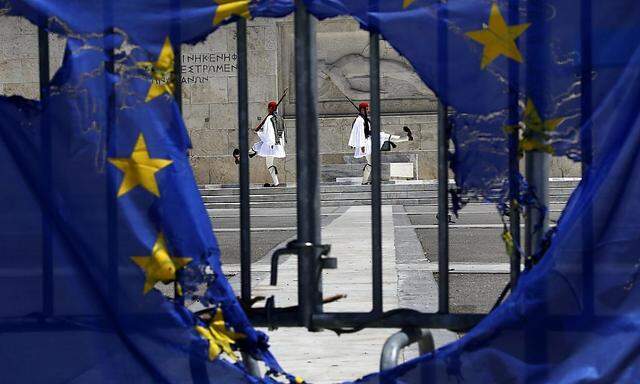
(409, 133)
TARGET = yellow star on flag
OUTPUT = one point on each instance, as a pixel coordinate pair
(219, 336)
(162, 78)
(407, 3)
(228, 8)
(159, 266)
(139, 169)
(498, 38)
(534, 136)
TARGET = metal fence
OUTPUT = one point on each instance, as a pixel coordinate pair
(312, 255)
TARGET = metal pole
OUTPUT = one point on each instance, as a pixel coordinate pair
(376, 174)
(536, 222)
(585, 82)
(177, 71)
(443, 169)
(176, 41)
(47, 240)
(443, 209)
(398, 341)
(111, 188)
(243, 141)
(308, 170)
(587, 150)
(514, 160)
(537, 163)
(251, 365)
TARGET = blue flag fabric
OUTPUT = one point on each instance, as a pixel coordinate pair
(143, 23)
(573, 318)
(101, 208)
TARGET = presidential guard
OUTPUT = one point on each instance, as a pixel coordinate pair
(272, 135)
(360, 140)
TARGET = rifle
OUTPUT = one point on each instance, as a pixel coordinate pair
(365, 117)
(352, 103)
(259, 127)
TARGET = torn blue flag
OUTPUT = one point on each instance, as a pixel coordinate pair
(573, 318)
(106, 240)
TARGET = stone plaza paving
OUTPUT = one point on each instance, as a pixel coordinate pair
(409, 246)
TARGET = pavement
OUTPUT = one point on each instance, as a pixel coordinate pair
(478, 273)
(310, 354)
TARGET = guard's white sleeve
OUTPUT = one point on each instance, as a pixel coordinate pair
(267, 134)
(357, 138)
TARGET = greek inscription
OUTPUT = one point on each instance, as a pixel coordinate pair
(198, 67)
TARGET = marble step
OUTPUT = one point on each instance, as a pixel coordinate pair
(387, 157)
(348, 196)
(556, 188)
(330, 172)
(334, 203)
(328, 196)
(211, 190)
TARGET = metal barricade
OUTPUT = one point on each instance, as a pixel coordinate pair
(312, 255)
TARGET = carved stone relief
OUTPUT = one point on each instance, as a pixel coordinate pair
(343, 70)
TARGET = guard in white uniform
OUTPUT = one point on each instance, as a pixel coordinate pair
(360, 140)
(272, 137)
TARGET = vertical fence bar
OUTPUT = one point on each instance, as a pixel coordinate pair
(443, 209)
(47, 240)
(176, 40)
(537, 163)
(177, 74)
(586, 138)
(376, 174)
(112, 199)
(514, 162)
(443, 166)
(585, 83)
(243, 141)
(536, 222)
(307, 161)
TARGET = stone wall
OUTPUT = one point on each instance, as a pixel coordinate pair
(210, 93)
(19, 57)
(211, 108)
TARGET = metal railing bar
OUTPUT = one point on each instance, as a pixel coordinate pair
(177, 74)
(47, 239)
(43, 62)
(536, 222)
(243, 141)
(376, 173)
(251, 364)
(443, 168)
(176, 39)
(443, 209)
(288, 318)
(390, 355)
(586, 138)
(459, 322)
(112, 199)
(400, 319)
(585, 81)
(537, 162)
(514, 162)
(308, 170)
